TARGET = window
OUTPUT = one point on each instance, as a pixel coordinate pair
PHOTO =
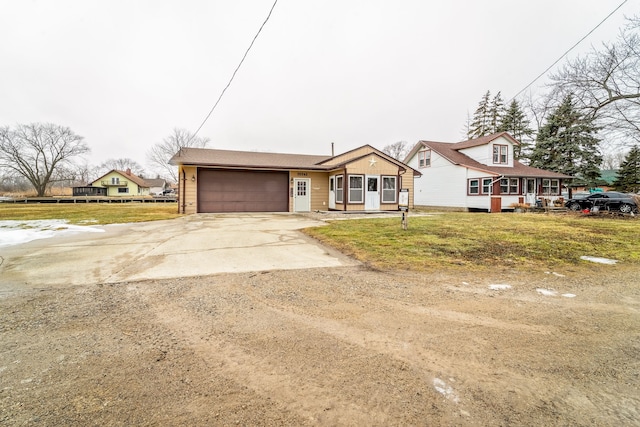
(510, 186)
(389, 189)
(356, 193)
(504, 186)
(500, 154)
(123, 190)
(550, 186)
(339, 189)
(424, 158)
(301, 189)
(486, 185)
(115, 180)
(514, 185)
(474, 186)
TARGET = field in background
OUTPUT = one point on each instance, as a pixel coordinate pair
(90, 213)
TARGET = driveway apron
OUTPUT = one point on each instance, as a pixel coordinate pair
(194, 245)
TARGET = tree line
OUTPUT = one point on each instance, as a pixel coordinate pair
(39, 156)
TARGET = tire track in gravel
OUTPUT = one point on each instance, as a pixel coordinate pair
(261, 374)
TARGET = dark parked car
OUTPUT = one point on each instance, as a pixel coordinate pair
(610, 200)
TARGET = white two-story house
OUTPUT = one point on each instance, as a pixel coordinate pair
(479, 174)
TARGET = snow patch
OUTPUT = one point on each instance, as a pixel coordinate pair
(446, 390)
(499, 287)
(569, 295)
(547, 292)
(18, 232)
(598, 259)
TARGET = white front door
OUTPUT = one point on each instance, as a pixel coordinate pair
(372, 195)
(301, 195)
(530, 191)
(332, 193)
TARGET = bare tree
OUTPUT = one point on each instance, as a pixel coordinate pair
(159, 155)
(612, 160)
(605, 84)
(397, 150)
(122, 165)
(39, 152)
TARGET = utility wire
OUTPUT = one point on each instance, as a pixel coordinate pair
(235, 72)
(567, 52)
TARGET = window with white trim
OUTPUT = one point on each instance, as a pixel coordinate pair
(510, 186)
(487, 183)
(115, 180)
(514, 186)
(550, 187)
(500, 154)
(339, 189)
(356, 189)
(389, 189)
(424, 158)
(504, 186)
(474, 187)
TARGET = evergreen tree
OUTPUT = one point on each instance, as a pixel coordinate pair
(496, 113)
(566, 143)
(481, 121)
(628, 179)
(516, 123)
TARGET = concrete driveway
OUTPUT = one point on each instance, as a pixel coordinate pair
(193, 245)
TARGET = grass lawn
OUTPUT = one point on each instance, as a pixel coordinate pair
(90, 213)
(483, 240)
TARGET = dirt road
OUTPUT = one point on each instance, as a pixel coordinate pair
(340, 346)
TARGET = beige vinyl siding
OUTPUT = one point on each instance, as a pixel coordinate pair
(407, 182)
(380, 167)
(187, 189)
(319, 188)
(342, 158)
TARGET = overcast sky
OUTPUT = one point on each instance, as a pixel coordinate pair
(123, 74)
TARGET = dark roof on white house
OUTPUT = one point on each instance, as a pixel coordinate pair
(451, 152)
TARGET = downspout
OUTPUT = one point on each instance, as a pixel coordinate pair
(182, 193)
(345, 194)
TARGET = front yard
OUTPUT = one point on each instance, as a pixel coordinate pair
(483, 241)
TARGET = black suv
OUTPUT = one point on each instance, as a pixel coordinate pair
(610, 200)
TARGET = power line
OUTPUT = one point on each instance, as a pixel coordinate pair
(567, 52)
(235, 72)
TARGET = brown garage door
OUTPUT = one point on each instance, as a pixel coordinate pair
(242, 191)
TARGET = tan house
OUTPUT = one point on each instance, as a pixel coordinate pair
(363, 179)
(122, 184)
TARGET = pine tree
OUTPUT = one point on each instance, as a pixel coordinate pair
(481, 121)
(566, 143)
(516, 123)
(628, 179)
(496, 113)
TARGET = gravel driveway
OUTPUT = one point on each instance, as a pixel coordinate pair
(326, 346)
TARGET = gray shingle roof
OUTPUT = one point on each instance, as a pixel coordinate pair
(251, 159)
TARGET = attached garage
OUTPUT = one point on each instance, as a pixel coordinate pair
(242, 191)
(214, 181)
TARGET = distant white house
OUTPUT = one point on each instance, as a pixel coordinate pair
(478, 174)
(157, 186)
